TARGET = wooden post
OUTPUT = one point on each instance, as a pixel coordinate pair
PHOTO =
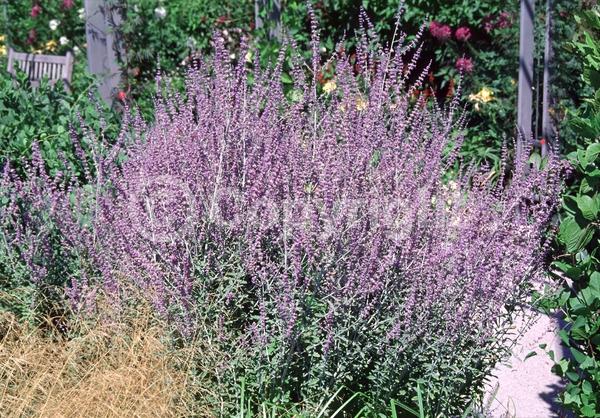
(273, 11)
(525, 99)
(547, 125)
(103, 48)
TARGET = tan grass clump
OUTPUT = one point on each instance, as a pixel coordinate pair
(116, 370)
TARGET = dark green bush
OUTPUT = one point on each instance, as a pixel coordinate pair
(46, 115)
(579, 239)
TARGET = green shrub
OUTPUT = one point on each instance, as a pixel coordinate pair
(579, 238)
(53, 119)
(46, 115)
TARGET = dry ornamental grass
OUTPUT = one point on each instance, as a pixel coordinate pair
(106, 371)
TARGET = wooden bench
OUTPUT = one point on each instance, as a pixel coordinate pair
(37, 66)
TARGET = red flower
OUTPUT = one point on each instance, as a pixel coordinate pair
(463, 34)
(543, 141)
(440, 31)
(464, 64)
(67, 4)
(36, 10)
(122, 96)
(222, 19)
(321, 77)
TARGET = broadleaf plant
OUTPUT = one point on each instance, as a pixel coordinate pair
(578, 262)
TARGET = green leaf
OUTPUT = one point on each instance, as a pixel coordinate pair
(536, 160)
(587, 206)
(581, 157)
(529, 355)
(286, 79)
(573, 236)
(572, 376)
(588, 410)
(572, 398)
(578, 355)
(595, 282)
(592, 152)
(564, 336)
(408, 409)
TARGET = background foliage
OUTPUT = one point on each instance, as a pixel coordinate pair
(579, 238)
(166, 35)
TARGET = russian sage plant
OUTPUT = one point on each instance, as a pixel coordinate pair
(315, 226)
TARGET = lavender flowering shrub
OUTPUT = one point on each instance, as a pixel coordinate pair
(316, 230)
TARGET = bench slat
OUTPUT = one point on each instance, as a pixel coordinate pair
(38, 66)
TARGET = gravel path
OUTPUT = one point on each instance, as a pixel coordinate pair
(526, 387)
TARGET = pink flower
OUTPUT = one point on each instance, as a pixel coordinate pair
(31, 37)
(463, 34)
(36, 10)
(501, 21)
(440, 31)
(504, 20)
(464, 64)
(67, 4)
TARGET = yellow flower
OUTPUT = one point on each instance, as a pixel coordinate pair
(361, 104)
(2, 50)
(51, 45)
(483, 96)
(329, 86)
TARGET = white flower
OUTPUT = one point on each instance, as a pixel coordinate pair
(81, 13)
(54, 24)
(76, 50)
(323, 50)
(63, 40)
(160, 12)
